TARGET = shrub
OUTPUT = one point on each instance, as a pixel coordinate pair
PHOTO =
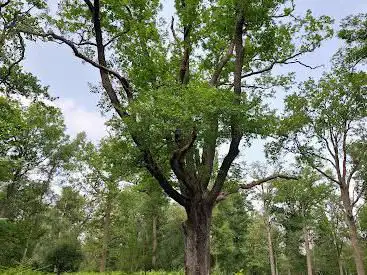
(65, 257)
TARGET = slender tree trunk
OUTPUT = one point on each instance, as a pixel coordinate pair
(6, 205)
(357, 253)
(308, 251)
(270, 246)
(340, 264)
(197, 238)
(106, 236)
(154, 244)
(25, 251)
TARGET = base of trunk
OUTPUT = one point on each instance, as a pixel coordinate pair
(197, 239)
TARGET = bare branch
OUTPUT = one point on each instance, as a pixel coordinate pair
(113, 39)
(304, 65)
(221, 64)
(224, 195)
(270, 178)
(325, 174)
(327, 145)
(86, 43)
(277, 62)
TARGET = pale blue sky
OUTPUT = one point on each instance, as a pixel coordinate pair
(68, 78)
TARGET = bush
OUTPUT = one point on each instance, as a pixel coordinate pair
(20, 271)
(65, 257)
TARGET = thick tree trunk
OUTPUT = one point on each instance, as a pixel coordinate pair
(154, 244)
(197, 238)
(106, 236)
(308, 252)
(357, 252)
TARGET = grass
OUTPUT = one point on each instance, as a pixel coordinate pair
(24, 271)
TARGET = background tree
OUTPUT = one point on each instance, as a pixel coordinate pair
(330, 237)
(298, 201)
(34, 151)
(353, 32)
(322, 125)
(229, 234)
(17, 15)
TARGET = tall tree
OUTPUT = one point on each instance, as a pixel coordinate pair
(34, 149)
(301, 199)
(354, 32)
(330, 237)
(229, 234)
(324, 123)
(14, 16)
(181, 96)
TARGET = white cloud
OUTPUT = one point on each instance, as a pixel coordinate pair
(78, 119)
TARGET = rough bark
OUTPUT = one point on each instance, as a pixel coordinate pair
(197, 238)
(353, 235)
(308, 251)
(106, 236)
(155, 242)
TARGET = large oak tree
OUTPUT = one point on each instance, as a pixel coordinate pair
(186, 91)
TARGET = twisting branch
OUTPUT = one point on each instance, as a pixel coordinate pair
(173, 30)
(180, 153)
(157, 173)
(16, 62)
(277, 62)
(303, 64)
(177, 162)
(113, 39)
(78, 54)
(151, 164)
